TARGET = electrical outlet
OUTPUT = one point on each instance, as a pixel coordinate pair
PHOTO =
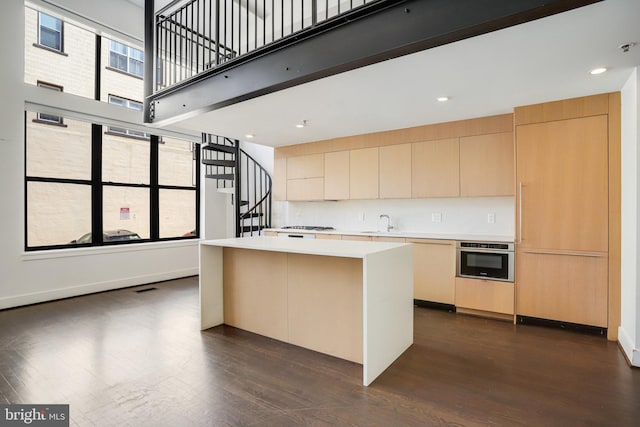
(436, 217)
(491, 218)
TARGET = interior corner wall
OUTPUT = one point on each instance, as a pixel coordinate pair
(629, 331)
(27, 278)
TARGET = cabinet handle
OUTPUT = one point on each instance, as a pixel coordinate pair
(562, 253)
(520, 213)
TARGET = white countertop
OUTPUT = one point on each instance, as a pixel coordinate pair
(405, 234)
(338, 248)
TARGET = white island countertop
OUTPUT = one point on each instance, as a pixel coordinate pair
(339, 248)
(404, 234)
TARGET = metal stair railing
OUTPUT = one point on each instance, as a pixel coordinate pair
(235, 170)
(192, 37)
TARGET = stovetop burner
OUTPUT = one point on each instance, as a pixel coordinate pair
(307, 227)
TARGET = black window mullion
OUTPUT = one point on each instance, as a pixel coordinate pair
(154, 197)
(96, 185)
(197, 153)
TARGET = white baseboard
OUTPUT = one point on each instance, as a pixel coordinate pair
(90, 288)
(632, 353)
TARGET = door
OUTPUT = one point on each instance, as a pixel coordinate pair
(563, 185)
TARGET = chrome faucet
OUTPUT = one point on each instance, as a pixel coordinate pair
(389, 226)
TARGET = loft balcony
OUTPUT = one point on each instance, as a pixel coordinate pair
(207, 54)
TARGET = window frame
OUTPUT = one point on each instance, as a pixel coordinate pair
(111, 130)
(40, 117)
(97, 186)
(128, 57)
(61, 32)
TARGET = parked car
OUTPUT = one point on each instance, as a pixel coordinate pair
(118, 235)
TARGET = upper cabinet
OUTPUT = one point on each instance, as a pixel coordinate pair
(563, 185)
(336, 175)
(305, 177)
(435, 168)
(467, 158)
(395, 171)
(363, 173)
(487, 165)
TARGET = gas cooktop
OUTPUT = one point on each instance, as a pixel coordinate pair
(307, 227)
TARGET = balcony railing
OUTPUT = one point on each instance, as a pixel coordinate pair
(198, 35)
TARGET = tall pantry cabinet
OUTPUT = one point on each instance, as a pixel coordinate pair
(567, 211)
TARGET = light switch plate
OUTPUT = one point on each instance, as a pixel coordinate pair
(436, 217)
(491, 218)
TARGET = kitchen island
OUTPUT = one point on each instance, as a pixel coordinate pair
(348, 299)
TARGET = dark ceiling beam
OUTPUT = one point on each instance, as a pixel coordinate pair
(393, 29)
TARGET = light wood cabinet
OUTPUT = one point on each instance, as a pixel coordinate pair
(434, 270)
(270, 233)
(435, 168)
(487, 165)
(395, 171)
(563, 185)
(309, 166)
(280, 178)
(562, 287)
(305, 189)
(328, 236)
(562, 220)
(489, 296)
(363, 173)
(336, 175)
(354, 237)
(388, 239)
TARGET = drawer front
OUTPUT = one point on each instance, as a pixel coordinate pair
(485, 295)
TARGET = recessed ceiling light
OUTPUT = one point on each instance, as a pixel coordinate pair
(301, 124)
(250, 135)
(596, 71)
(443, 99)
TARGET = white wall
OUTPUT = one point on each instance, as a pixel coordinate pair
(458, 215)
(629, 331)
(34, 277)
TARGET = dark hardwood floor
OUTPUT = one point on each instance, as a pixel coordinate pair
(124, 358)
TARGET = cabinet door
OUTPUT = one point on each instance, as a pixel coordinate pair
(363, 173)
(280, 178)
(484, 295)
(562, 287)
(305, 189)
(336, 175)
(563, 185)
(486, 165)
(435, 168)
(328, 236)
(434, 270)
(395, 171)
(309, 166)
(354, 237)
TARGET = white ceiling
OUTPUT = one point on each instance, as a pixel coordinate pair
(539, 61)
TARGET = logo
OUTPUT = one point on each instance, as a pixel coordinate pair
(34, 415)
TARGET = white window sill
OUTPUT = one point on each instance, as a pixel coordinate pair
(99, 250)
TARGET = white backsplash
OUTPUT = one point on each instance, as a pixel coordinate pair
(457, 215)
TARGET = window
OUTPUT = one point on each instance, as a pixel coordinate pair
(128, 103)
(177, 180)
(50, 32)
(127, 59)
(88, 188)
(49, 118)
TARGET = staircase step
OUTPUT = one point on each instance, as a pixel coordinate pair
(249, 215)
(248, 228)
(220, 148)
(227, 190)
(214, 162)
(227, 176)
(244, 202)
